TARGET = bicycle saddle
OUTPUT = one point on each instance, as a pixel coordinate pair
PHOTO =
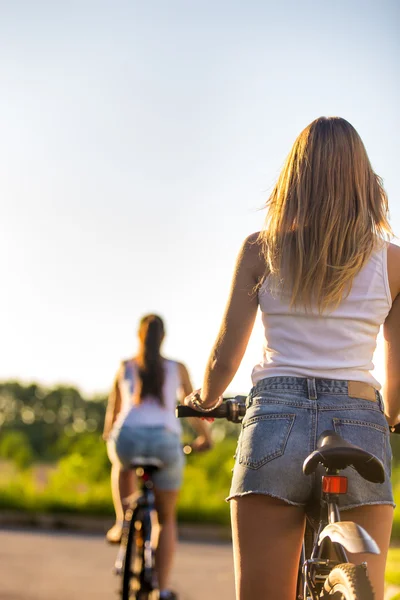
(148, 464)
(333, 452)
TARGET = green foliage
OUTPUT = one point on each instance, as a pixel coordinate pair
(393, 567)
(395, 443)
(64, 493)
(15, 446)
(50, 419)
(59, 427)
(91, 448)
(396, 492)
(206, 484)
(86, 462)
(80, 483)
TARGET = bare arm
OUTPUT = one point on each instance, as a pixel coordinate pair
(113, 408)
(237, 323)
(201, 427)
(391, 333)
(391, 390)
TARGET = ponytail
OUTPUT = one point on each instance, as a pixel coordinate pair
(150, 361)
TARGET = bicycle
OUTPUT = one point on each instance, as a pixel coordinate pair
(135, 561)
(324, 568)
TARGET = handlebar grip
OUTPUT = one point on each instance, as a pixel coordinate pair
(241, 399)
(187, 411)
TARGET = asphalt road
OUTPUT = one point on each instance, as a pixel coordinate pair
(37, 565)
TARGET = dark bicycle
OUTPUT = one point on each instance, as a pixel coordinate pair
(324, 568)
(135, 561)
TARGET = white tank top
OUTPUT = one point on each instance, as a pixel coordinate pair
(337, 345)
(149, 413)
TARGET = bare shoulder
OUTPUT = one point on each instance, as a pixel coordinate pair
(251, 255)
(252, 243)
(251, 249)
(393, 259)
(181, 367)
(394, 252)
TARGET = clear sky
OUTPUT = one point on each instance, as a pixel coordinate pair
(138, 142)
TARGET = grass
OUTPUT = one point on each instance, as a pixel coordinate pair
(72, 487)
(393, 567)
(69, 488)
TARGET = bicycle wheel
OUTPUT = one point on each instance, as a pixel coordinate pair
(348, 582)
(154, 595)
(148, 586)
(129, 542)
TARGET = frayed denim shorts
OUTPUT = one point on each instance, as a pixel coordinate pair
(284, 418)
(130, 442)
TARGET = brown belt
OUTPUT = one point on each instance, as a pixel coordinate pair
(358, 389)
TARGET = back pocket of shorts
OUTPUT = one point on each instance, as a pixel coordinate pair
(368, 436)
(264, 438)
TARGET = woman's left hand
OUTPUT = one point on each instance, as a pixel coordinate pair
(202, 443)
(194, 401)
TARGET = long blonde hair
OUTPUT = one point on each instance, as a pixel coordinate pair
(326, 214)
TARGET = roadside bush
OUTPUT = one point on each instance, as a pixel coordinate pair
(393, 567)
(80, 484)
(15, 446)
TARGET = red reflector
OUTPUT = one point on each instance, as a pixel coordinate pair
(334, 484)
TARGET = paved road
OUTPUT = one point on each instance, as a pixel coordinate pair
(37, 565)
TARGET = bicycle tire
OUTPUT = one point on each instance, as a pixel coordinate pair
(154, 595)
(348, 582)
(127, 573)
(148, 585)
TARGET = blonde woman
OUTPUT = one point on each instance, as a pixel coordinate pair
(325, 279)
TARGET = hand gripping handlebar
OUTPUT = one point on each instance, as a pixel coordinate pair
(232, 409)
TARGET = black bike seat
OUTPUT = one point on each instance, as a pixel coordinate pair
(149, 464)
(333, 452)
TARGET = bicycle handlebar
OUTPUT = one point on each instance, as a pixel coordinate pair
(232, 409)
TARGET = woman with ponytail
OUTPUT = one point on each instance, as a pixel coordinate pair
(140, 421)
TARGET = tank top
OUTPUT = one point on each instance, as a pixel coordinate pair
(335, 345)
(150, 412)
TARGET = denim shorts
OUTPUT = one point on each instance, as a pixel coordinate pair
(284, 418)
(130, 442)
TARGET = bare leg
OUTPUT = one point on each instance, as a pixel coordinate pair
(166, 509)
(377, 520)
(122, 485)
(267, 536)
(126, 487)
(116, 496)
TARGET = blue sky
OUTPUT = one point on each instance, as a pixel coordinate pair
(138, 143)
